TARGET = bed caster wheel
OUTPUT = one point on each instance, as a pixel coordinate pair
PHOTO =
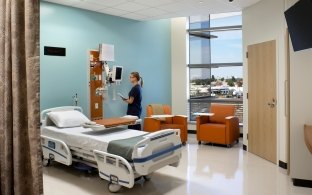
(147, 177)
(114, 188)
(199, 142)
(183, 143)
(46, 162)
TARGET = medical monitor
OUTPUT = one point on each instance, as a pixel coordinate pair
(117, 73)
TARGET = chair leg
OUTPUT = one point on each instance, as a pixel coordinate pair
(183, 143)
(199, 142)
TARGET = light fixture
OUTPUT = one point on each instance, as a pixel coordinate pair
(231, 1)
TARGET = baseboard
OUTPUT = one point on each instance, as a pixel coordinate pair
(244, 147)
(302, 183)
(191, 131)
(194, 132)
(282, 164)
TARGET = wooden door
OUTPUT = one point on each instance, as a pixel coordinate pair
(96, 100)
(262, 100)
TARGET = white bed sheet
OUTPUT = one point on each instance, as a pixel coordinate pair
(88, 139)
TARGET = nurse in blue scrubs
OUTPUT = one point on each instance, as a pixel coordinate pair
(135, 98)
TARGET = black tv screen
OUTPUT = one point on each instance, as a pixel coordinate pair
(118, 73)
(299, 22)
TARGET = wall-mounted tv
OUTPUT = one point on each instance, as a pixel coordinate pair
(299, 22)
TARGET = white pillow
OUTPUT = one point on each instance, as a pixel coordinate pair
(68, 118)
(130, 117)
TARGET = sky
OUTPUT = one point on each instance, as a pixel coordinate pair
(226, 48)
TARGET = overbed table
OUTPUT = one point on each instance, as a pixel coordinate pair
(114, 122)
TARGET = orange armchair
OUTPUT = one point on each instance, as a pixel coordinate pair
(221, 128)
(175, 122)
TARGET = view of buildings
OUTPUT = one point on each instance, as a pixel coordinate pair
(218, 88)
(227, 90)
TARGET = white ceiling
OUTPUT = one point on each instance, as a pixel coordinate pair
(158, 9)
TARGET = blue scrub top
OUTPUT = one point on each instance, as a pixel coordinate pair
(135, 108)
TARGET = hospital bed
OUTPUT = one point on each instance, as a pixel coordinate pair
(149, 152)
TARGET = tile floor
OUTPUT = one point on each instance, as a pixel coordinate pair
(204, 169)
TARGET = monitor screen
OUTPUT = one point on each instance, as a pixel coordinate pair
(299, 22)
(117, 73)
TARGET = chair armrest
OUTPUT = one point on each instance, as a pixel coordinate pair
(232, 122)
(178, 119)
(181, 115)
(232, 128)
(202, 120)
(151, 124)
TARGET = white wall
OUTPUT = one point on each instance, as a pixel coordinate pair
(262, 22)
(300, 110)
(259, 26)
(179, 64)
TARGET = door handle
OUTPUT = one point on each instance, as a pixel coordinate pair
(273, 103)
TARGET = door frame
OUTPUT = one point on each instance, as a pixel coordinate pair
(287, 98)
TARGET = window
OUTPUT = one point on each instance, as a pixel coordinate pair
(200, 82)
(227, 48)
(226, 19)
(199, 50)
(215, 62)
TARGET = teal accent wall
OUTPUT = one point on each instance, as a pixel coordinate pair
(139, 46)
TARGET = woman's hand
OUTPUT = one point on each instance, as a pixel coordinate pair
(129, 101)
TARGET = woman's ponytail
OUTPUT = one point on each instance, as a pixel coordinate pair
(141, 80)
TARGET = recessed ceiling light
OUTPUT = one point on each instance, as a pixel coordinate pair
(201, 2)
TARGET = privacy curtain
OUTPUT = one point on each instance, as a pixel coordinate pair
(20, 152)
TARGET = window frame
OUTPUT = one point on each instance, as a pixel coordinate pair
(204, 33)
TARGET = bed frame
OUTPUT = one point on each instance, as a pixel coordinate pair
(157, 150)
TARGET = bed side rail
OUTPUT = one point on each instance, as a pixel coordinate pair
(114, 168)
(56, 150)
(157, 150)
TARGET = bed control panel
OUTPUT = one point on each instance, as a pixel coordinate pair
(51, 144)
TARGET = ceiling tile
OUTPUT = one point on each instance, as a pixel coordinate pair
(134, 16)
(164, 16)
(173, 7)
(156, 9)
(153, 3)
(89, 6)
(131, 7)
(113, 11)
(152, 12)
(107, 3)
